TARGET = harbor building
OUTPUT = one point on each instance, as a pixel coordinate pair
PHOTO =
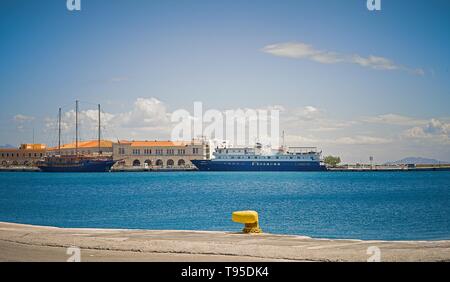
(25, 155)
(85, 148)
(160, 154)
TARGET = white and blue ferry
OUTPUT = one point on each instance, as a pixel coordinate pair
(256, 159)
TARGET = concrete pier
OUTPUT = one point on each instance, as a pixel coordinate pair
(36, 243)
(19, 169)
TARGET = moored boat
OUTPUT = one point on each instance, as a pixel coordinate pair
(254, 159)
(77, 162)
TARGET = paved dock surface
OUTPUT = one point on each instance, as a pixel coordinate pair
(36, 243)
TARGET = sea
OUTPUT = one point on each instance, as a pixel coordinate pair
(346, 205)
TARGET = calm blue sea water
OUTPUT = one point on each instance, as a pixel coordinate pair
(391, 205)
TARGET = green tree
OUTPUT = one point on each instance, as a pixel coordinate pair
(332, 161)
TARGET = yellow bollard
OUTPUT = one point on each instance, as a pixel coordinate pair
(249, 218)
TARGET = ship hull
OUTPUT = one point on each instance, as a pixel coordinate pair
(209, 165)
(84, 166)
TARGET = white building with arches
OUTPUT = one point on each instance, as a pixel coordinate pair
(159, 154)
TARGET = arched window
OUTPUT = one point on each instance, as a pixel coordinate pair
(159, 163)
(148, 162)
(136, 163)
(181, 162)
(4, 163)
(170, 162)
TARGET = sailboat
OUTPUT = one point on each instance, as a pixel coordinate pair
(77, 162)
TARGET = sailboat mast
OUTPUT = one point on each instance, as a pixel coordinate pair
(76, 128)
(99, 130)
(59, 131)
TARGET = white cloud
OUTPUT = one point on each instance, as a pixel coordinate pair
(306, 113)
(395, 119)
(302, 140)
(146, 113)
(434, 130)
(361, 140)
(147, 119)
(312, 119)
(23, 118)
(311, 140)
(374, 62)
(436, 127)
(299, 50)
(302, 51)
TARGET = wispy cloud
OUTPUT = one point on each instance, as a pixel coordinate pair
(299, 50)
(361, 140)
(311, 118)
(148, 118)
(435, 130)
(394, 119)
(302, 51)
(23, 118)
(147, 114)
(346, 140)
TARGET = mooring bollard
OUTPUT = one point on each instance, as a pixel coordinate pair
(249, 218)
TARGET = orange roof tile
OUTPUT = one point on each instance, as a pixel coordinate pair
(8, 150)
(85, 145)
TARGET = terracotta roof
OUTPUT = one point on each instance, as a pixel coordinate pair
(33, 147)
(84, 145)
(9, 150)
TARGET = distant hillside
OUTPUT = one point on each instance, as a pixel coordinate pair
(6, 146)
(417, 160)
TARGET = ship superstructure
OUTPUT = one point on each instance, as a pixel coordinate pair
(258, 159)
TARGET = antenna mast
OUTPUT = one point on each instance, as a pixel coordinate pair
(59, 131)
(76, 127)
(99, 130)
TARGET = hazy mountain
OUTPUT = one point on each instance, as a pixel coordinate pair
(417, 160)
(6, 146)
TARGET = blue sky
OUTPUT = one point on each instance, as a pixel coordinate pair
(383, 76)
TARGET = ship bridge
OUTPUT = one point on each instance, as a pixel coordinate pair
(235, 151)
(302, 150)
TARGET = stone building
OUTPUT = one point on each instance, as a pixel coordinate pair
(25, 155)
(159, 154)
